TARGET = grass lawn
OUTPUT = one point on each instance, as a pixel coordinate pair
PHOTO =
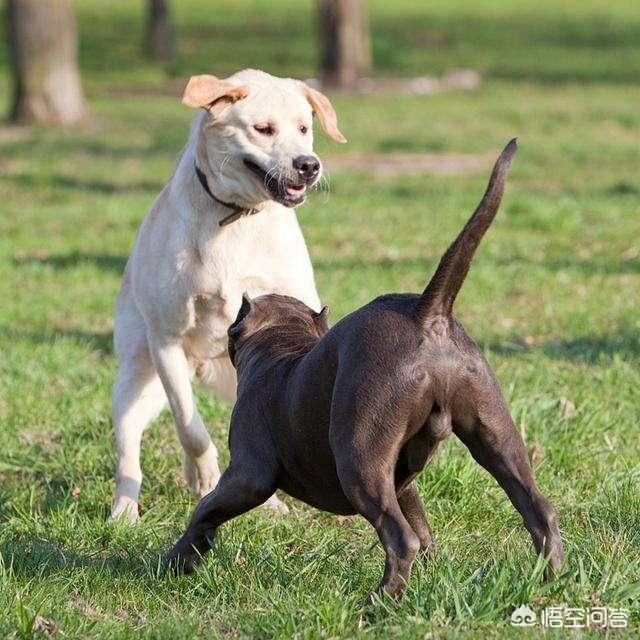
(553, 298)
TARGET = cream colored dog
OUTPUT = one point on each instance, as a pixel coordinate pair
(221, 226)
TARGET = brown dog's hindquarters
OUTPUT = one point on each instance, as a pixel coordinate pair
(346, 418)
(374, 497)
(413, 511)
(375, 457)
(490, 433)
(495, 444)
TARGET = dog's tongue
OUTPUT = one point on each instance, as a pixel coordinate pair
(296, 190)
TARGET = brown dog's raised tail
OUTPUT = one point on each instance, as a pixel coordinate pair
(438, 297)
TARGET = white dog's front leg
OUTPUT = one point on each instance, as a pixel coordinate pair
(138, 398)
(200, 454)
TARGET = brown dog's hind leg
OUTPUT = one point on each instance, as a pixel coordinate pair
(413, 510)
(373, 495)
(495, 444)
(238, 491)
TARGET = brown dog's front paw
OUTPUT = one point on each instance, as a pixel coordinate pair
(178, 564)
(182, 559)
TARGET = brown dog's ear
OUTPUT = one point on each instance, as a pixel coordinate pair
(245, 310)
(324, 110)
(322, 320)
(205, 90)
(236, 328)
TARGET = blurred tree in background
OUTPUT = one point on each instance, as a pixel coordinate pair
(160, 46)
(43, 46)
(345, 42)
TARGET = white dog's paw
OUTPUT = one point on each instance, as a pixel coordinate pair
(125, 509)
(201, 473)
(275, 504)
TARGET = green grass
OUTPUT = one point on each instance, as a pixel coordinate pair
(553, 298)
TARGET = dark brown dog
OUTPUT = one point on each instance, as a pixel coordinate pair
(344, 419)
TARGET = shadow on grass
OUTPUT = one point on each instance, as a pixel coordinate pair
(29, 556)
(106, 261)
(166, 144)
(587, 266)
(348, 263)
(589, 349)
(30, 180)
(592, 266)
(622, 189)
(96, 341)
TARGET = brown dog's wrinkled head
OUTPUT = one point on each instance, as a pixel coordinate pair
(281, 324)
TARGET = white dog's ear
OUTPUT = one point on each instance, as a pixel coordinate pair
(324, 110)
(205, 90)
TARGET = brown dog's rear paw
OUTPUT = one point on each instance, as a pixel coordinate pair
(554, 565)
(390, 592)
(428, 548)
(370, 600)
(376, 598)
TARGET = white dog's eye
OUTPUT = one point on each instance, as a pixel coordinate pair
(303, 129)
(264, 129)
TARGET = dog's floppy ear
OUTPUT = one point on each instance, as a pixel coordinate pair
(322, 320)
(205, 91)
(324, 110)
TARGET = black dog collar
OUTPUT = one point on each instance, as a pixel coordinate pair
(238, 211)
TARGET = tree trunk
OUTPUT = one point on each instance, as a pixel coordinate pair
(43, 46)
(345, 42)
(159, 32)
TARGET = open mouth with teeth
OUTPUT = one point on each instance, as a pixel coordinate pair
(288, 192)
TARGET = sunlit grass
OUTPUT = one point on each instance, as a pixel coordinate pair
(552, 297)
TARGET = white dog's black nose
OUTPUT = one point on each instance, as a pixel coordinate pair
(307, 167)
